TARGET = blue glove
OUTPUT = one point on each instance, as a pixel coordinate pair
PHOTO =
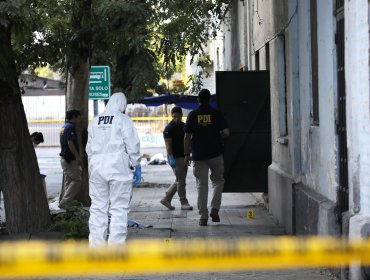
(137, 175)
(171, 161)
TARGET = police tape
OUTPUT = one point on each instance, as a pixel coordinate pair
(154, 118)
(132, 118)
(36, 258)
(46, 121)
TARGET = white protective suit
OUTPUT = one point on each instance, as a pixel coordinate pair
(113, 144)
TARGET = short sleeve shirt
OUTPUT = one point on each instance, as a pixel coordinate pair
(205, 125)
(68, 133)
(176, 132)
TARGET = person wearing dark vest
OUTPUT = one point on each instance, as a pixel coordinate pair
(203, 144)
(174, 140)
(70, 158)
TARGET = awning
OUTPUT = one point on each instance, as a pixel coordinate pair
(184, 101)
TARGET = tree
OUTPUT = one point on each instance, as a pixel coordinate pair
(78, 69)
(143, 39)
(133, 36)
(122, 37)
(26, 207)
(185, 27)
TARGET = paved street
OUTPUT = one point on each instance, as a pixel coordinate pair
(146, 209)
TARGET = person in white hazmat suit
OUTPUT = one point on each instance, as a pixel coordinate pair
(113, 145)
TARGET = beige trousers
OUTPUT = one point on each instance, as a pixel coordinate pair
(201, 171)
(72, 181)
(179, 185)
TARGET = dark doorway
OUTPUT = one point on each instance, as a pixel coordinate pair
(244, 98)
(341, 122)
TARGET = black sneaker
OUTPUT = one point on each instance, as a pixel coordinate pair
(215, 217)
(203, 222)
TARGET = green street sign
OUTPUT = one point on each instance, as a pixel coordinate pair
(99, 83)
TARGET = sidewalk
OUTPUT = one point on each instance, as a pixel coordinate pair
(176, 224)
(146, 209)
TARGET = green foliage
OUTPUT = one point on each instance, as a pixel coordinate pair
(45, 72)
(39, 32)
(140, 39)
(178, 87)
(184, 27)
(195, 83)
(121, 39)
(73, 223)
(204, 61)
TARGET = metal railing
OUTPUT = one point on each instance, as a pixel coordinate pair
(46, 114)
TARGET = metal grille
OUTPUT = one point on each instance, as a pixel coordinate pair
(341, 123)
(339, 4)
(46, 114)
(314, 64)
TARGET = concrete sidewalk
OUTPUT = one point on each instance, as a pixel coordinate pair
(176, 224)
(146, 209)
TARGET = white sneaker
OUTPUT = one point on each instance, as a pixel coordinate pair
(167, 203)
(186, 206)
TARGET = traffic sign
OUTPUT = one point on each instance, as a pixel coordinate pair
(99, 83)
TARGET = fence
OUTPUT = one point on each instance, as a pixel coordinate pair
(46, 114)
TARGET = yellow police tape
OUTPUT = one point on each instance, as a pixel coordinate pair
(26, 259)
(132, 118)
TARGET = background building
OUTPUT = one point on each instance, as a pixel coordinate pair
(317, 53)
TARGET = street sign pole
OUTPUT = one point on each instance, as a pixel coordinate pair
(96, 111)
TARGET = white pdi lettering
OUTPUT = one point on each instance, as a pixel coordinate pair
(105, 119)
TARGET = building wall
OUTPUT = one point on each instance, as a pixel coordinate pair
(308, 153)
(358, 104)
(268, 18)
(234, 38)
(323, 175)
(304, 155)
(357, 48)
(208, 74)
(304, 172)
(283, 37)
(305, 92)
(281, 153)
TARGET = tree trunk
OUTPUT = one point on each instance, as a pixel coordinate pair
(78, 81)
(26, 207)
(77, 98)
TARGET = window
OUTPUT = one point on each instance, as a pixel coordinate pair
(218, 59)
(314, 64)
(257, 60)
(267, 53)
(281, 70)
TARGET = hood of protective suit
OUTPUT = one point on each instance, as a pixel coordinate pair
(117, 102)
